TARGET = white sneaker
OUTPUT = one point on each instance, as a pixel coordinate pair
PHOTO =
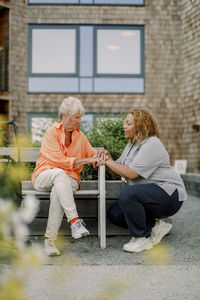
(50, 248)
(78, 229)
(159, 231)
(138, 244)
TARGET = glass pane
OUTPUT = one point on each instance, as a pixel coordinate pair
(118, 85)
(39, 126)
(87, 122)
(42, 84)
(129, 2)
(118, 51)
(54, 51)
(53, 1)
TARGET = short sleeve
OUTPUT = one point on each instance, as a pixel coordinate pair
(150, 156)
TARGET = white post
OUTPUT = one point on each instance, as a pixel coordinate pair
(102, 207)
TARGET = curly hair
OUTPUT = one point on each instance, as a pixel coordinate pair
(145, 125)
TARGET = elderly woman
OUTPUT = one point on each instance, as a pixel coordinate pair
(153, 189)
(64, 151)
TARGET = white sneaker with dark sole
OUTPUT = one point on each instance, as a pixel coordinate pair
(159, 231)
(78, 229)
(138, 245)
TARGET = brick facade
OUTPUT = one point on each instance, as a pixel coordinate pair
(190, 81)
(171, 66)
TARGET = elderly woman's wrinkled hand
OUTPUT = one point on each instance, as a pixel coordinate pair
(94, 161)
(103, 155)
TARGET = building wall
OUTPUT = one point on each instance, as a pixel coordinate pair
(163, 62)
(190, 81)
(4, 43)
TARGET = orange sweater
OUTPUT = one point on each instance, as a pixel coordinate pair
(54, 153)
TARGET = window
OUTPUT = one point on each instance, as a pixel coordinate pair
(114, 46)
(53, 51)
(39, 122)
(90, 2)
(86, 59)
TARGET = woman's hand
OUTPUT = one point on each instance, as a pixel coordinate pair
(94, 161)
(89, 160)
(103, 155)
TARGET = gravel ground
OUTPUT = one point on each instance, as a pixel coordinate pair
(171, 270)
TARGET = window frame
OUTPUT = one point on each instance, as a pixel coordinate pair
(97, 87)
(91, 4)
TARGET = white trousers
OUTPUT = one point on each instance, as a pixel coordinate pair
(61, 198)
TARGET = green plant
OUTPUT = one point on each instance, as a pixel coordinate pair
(109, 134)
(3, 137)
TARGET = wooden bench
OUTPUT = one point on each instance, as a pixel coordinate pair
(27, 155)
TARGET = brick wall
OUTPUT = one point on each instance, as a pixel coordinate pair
(190, 81)
(163, 21)
(4, 44)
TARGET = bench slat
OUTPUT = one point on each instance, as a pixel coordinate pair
(47, 194)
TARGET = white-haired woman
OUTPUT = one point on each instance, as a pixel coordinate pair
(64, 151)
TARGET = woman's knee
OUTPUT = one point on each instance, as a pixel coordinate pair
(61, 177)
(115, 215)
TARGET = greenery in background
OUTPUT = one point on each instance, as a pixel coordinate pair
(107, 133)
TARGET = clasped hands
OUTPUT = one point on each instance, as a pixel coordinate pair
(101, 157)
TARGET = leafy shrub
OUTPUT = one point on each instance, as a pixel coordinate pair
(109, 134)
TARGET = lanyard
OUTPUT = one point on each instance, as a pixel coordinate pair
(127, 154)
(122, 178)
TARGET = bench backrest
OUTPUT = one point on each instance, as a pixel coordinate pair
(24, 154)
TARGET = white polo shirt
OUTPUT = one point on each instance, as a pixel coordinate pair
(150, 160)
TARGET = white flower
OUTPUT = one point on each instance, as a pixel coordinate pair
(30, 208)
(6, 207)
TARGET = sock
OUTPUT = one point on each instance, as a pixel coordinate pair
(73, 220)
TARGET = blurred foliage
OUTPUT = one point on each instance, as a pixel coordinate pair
(3, 132)
(12, 290)
(12, 172)
(107, 133)
(3, 137)
(161, 254)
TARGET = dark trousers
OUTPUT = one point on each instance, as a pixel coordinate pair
(139, 205)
